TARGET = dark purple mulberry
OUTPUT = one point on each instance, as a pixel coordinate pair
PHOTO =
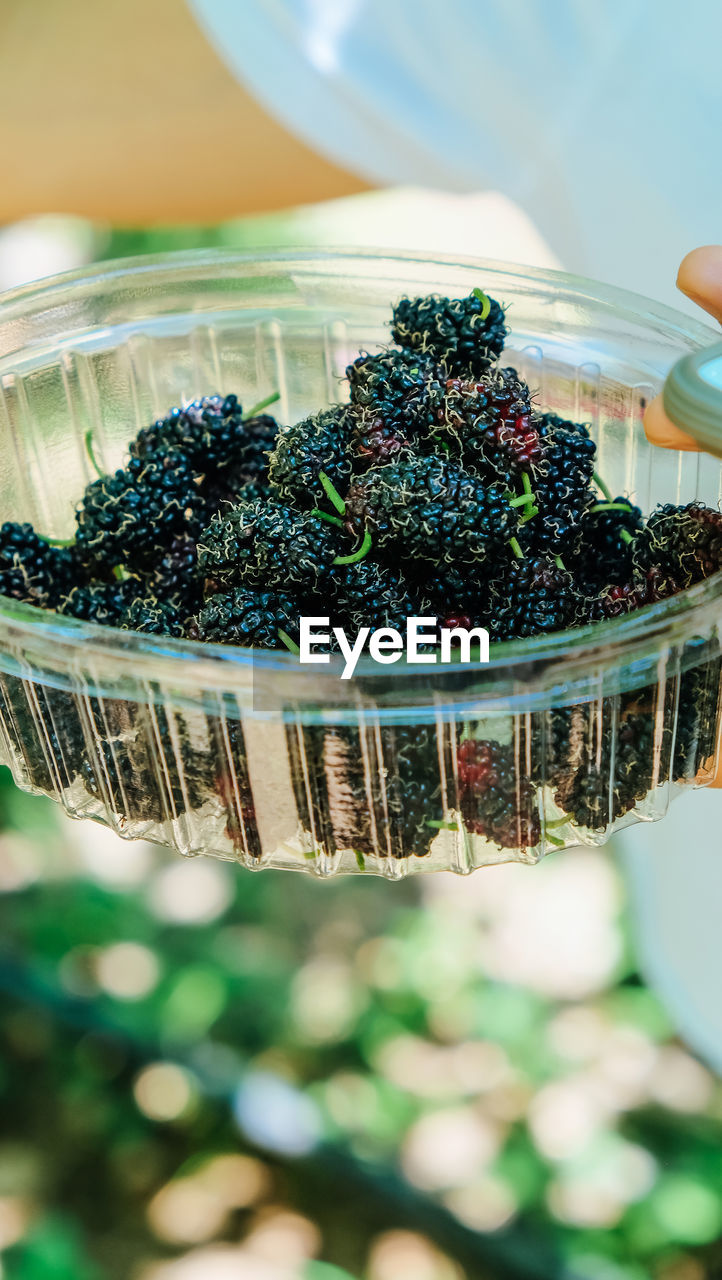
(212, 434)
(429, 509)
(533, 597)
(685, 541)
(487, 423)
(497, 800)
(32, 570)
(562, 484)
(304, 450)
(133, 516)
(465, 334)
(249, 618)
(264, 546)
(154, 617)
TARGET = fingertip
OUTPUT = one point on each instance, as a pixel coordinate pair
(661, 431)
(700, 278)
(710, 775)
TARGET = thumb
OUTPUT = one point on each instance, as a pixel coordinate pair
(660, 429)
(700, 278)
(711, 772)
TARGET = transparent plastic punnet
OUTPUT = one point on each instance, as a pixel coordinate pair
(249, 756)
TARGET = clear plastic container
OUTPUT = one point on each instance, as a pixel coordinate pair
(248, 755)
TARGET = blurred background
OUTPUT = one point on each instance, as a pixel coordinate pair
(209, 1074)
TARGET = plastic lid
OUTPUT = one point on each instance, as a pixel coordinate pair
(693, 397)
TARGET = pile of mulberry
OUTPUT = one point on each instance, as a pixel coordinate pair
(440, 486)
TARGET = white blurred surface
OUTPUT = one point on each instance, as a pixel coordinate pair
(674, 873)
(482, 224)
(43, 246)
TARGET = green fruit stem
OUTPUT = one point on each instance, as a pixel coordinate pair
(262, 404)
(332, 493)
(601, 485)
(90, 450)
(357, 555)
(323, 515)
(485, 302)
(58, 542)
(287, 641)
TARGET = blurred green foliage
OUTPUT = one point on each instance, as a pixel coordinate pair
(366, 1006)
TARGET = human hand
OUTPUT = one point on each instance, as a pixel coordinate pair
(700, 277)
